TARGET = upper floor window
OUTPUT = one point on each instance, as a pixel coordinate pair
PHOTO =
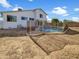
(41, 16)
(31, 18)
(11, 18)
(24, 18)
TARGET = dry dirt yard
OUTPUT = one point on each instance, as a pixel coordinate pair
(47, 47)
(75, 28)
(19, 48)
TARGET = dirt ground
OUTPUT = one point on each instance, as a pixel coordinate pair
(57, 47)
(75, 28)
(40, 47)
(19, 48)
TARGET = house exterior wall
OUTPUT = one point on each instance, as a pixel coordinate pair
(19, 14)
(37, 17)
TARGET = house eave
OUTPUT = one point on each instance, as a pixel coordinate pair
(23, 11)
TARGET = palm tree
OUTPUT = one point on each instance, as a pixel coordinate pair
(55, 21)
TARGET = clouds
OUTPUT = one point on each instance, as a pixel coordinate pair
(5, 3)
(48, 19)
(16, 8)
(76, 9)
(60, 11)
(70, 13)
(30, 0)
(75, 19)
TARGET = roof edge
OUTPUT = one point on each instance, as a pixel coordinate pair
(24, 10)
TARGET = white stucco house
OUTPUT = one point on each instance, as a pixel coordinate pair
(23, 18)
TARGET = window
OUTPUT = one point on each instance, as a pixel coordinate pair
(31, 18)
(11, 18)
(41, 16)
(24, 18)
(1, 14)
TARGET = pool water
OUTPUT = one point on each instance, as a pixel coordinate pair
(53, 29)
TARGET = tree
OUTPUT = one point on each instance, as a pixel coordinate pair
(55, 21)
(60, 23)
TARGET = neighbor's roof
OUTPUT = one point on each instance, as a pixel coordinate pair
(24, 10)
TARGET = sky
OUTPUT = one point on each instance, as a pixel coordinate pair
(61, 9)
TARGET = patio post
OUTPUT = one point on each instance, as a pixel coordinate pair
(30, 27)
(42, 25)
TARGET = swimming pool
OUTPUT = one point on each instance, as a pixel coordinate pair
(53, 29)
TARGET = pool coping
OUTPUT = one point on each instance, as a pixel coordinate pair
(55, 33)
(46, 33)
